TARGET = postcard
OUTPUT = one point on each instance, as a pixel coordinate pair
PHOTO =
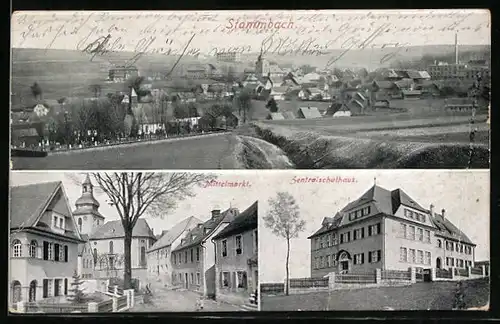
(349, 89)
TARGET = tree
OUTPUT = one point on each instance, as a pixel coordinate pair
(272, 105)
(76, 295)
(283, 218)
(136, 194)
(36, 91)
(244, 102)
(96, 90)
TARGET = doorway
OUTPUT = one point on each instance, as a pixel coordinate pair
(343, 262)
(438, 263)
(32, 291)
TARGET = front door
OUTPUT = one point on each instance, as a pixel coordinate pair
(344, 266)
(56, 287)
(438, 263)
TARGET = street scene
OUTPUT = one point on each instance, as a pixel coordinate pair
(250, 90)
(170, 242)
(375, 246)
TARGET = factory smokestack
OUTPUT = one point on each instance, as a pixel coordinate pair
(456, 48)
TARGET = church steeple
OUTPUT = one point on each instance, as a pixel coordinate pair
(87, 209)
(87, 198)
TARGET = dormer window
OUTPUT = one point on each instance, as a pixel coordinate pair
(193, 237)
(206, 230)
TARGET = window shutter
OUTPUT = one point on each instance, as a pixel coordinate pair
(45, 250)
(362, 258)
(56, 252)
(65, 253)
(379, 253)
(354, 234)
(369, 231)
(378, 228)
(369, 257)
(65, 286)
(362, 232)
(45, 285)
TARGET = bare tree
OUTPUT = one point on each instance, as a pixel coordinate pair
(283, 218)
(137, 194)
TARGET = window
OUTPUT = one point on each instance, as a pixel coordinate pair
(110, 247)
(16, 248)
(403, 230)
(225, 279)
(186, 257)
(334, 239)
(321, 242)
(456, 247)
(348, 236)
(362, 232)
(61, 222)
(54, 221)
(198, 254)
(412, 256)
(328, 261)
(447, 261)
(427, 236)
(412, 233)
(191, 255)
(461, 248)
(65, 286)
(403, 254)
(238, 244)
(256, 241)
(321, 262)
(61, 255)
(420, 256)
(198, 278)
(358, 258)
(173, 258)
(192, 277)
(422, 218)
(242, 279)
(224, 248)
(420, 234)
(328, 240)
(316, 243)
(49, 251)
(452, 262)
(50, 291)
(374, 256)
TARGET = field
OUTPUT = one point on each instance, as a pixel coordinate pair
(420, 296)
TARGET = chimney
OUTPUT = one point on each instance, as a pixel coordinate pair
(443, 212)
(456, 48)
(215, 213)
(431, 209)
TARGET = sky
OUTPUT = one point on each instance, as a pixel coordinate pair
(463, 194)
(160, 31)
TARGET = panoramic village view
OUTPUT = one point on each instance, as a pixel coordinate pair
(227, 107)
(67, 256)
(377, 246)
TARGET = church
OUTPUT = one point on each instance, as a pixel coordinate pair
(102, 254)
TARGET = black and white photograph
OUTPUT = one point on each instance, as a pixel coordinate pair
(379, 241)
(201, 90)
(106, 242)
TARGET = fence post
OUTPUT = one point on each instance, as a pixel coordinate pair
(378, 276)
(331, 280)
(93, 307)
(115, 304)
(469, 272)
(483, 270)
(452, 270)
(115, 290)
(21, 307)
(413, 274)
(433, 274)
(132, 297)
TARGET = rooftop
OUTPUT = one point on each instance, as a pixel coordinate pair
(245, 221)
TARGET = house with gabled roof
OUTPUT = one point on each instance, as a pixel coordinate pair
(236, 258)
(389, 230)
(193, 260)
(159, 254)
(44, 243)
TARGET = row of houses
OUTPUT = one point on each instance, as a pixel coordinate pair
(49, 242)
